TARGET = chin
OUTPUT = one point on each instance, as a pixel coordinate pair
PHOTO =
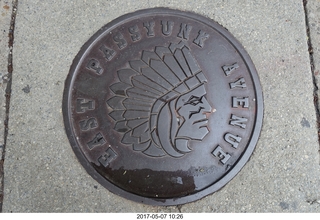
(201, 133)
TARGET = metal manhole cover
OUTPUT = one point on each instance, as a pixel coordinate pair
(162, 106)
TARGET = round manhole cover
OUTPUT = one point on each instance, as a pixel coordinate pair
(162, 106)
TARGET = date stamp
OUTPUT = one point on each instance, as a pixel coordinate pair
(160, 216)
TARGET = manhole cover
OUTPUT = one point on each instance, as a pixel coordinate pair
(162, 106)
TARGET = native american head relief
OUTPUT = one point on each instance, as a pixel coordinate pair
(160, 102)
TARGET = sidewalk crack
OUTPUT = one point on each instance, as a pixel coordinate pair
(7, 96)
(315, 90)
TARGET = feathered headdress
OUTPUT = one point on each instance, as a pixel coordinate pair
(159, 77)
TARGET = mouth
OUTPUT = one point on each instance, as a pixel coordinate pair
(201, 123)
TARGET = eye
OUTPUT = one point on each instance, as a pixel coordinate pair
(194, 100)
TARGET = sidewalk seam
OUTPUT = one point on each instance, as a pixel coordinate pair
(310, 50)
(8, 95)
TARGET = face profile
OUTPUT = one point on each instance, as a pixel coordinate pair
(160, 102)
(193, 107)
(182, 120)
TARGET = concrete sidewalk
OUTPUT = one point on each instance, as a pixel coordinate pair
(41, 172)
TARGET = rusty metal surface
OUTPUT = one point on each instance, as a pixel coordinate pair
(163, 107)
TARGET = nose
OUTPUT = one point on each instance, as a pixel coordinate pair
(206, 107)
